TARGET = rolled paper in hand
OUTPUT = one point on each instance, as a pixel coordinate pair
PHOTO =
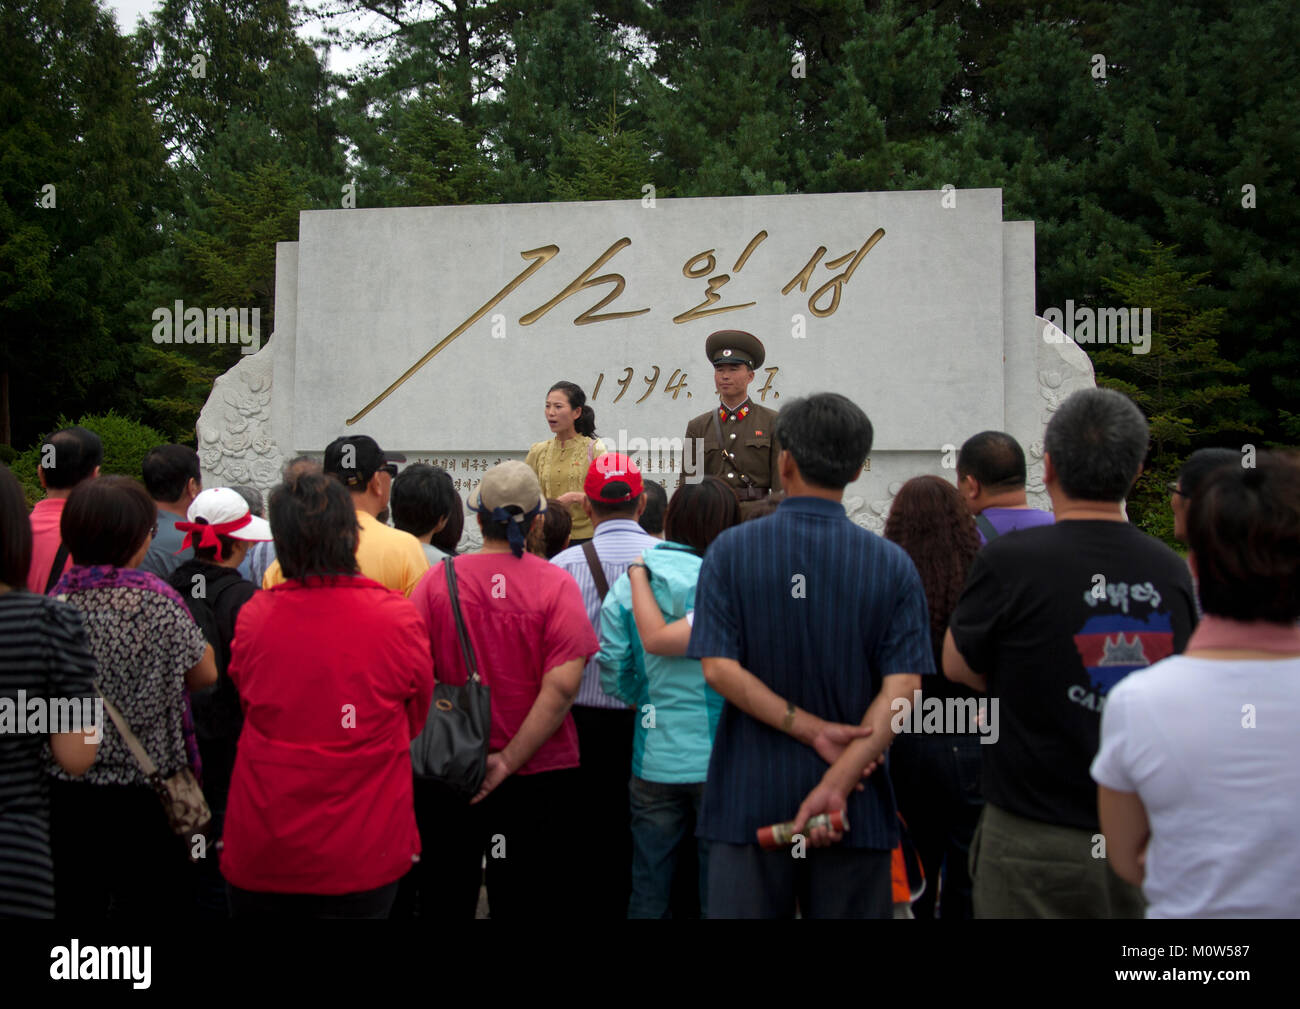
(781, 835)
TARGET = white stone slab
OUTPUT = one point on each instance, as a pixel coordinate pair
(934, 334)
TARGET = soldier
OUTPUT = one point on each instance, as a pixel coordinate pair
(737, 434)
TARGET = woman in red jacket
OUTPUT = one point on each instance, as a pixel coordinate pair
(335, 677)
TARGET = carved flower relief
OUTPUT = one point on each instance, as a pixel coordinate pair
(263, 445)
(237, 471)
(245, 405)
(266, 472)
(238, 443)
(1034, 478)
(1049, 387)
(210, 457)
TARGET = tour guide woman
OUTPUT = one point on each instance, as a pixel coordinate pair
(561, 463)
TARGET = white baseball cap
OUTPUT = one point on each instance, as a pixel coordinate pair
(219, 506)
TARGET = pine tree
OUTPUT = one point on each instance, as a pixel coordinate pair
(612, 164)
(80, 165)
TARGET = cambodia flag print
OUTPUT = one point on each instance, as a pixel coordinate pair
(1114, 645)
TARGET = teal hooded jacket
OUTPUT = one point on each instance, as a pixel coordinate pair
(676, 711)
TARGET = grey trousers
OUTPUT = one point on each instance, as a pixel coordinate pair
(835, 882)
(1029, 869)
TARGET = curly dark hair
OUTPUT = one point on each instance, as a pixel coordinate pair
(931, 522)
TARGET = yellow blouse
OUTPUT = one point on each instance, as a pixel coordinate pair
(561, 469)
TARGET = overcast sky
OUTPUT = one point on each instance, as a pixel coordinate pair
(130, 11)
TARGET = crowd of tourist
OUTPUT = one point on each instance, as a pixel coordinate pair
(669, 674)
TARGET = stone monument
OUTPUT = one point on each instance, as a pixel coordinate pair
(439, 330)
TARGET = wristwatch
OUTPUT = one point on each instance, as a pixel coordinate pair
(788, 724)
(638, 564)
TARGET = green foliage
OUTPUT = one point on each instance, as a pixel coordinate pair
(1179, 383)
(1148, 503)
(173, 185)
(126, 443)
(73, 118)
(569, 67)
(612, 164)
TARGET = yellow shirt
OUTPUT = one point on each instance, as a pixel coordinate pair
(386, 555)
(561, 469)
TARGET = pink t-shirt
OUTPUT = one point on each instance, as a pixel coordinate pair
(524, 617)
(45, 542)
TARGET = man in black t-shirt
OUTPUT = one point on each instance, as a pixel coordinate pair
(1050, 620)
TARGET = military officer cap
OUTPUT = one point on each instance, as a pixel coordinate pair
(734, 346)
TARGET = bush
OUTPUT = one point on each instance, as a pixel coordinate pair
(126, 442)
(1148, 504)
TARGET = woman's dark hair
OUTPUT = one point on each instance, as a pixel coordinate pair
(700, 511)
(228, 546)
(105, 521)
(1200, 464)
(829, 437)
(500, 531)
(586, 421)
(553, 536)
(315, 526)
(449, 538)
(1243, 528)
(15, 532)
(421, 496)
(930, 521)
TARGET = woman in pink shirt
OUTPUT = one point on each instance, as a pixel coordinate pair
(531, 635)
(334, 676)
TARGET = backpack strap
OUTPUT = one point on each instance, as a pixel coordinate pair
(56, 569)
(986, 527)
(597, 572)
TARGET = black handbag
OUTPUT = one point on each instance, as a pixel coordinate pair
(453, 746)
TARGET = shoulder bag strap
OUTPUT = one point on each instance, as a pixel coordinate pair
(128, 737)
(597, 572)
(986, 527)
(466, 646)
(56, 569)
(722, 445)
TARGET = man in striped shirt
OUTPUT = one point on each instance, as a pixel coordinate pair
(615, 500)
(811, 627)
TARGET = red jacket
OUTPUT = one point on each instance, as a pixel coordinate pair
(335, 679)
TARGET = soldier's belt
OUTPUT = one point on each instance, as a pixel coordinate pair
(751, 493)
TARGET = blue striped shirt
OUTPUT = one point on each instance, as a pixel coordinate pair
(820, 610)
(618, 543)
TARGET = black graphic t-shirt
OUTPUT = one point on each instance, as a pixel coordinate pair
(1055, 617)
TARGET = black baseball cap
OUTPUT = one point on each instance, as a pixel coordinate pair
(366, 457)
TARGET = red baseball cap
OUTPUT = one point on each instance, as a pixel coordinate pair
(612, 478)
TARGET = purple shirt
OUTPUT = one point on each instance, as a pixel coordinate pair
(1004, 520)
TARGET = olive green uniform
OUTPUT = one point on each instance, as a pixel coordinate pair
(751, 440)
